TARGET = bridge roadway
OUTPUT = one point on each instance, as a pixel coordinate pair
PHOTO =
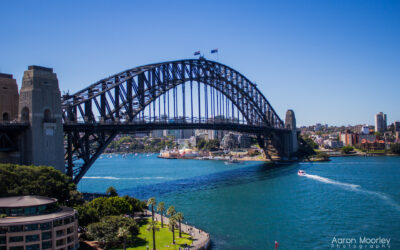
(70, 132)
(132, 127)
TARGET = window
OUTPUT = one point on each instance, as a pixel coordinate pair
(17, 248)
(2, 239)
(57, 223)
(60, 242)
(17, 211)
(6, 116)
(16, 239)
(3, 230)
(70, 230)
(45, 226)
(30, 210)
(46, 244)
(25, 114)
(33, 247)
(47, 115)
(59, 233)
(3, 248)
(18, 228)
(31, 238)
(66, 221)
(31, 227)
(46, 235)
(70, 239)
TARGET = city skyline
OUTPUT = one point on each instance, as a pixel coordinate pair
(332, 62)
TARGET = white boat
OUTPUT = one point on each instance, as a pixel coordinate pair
(301, 172)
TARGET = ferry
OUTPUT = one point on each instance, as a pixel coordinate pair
(301, 172)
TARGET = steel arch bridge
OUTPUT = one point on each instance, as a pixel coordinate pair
(184, 94)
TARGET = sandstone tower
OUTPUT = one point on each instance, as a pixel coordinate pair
(40, 105)
(290, 123)
(8, 98)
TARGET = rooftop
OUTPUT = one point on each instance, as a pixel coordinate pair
(8, 76)
(25, 201)
(35, 67)
(63, 212)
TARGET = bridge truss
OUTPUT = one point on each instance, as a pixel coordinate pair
(185, 94)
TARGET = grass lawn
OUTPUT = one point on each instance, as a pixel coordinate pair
(163, 238)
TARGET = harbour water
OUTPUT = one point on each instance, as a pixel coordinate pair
(251, 204)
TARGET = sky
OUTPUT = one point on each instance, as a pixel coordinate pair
(332, 62)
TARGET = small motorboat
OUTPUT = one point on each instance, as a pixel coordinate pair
(301, 172)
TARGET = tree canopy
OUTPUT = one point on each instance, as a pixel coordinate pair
(38, 180)
(395, 148)
(106, 230)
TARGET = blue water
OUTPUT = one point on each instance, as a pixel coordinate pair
(250, 205)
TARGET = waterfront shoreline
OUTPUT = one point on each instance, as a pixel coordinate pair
(201, 239)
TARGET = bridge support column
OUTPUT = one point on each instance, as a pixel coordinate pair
(290, 144)
(39, 104)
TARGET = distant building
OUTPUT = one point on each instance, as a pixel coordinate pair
(364, 129)
(230, 141)
(36, 222)
(333, 143)
(380, 122)
(8, 98)
(244, 141)
(396, 126)
(372, 145)
(348, 138)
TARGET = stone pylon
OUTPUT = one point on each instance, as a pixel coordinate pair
(40, 106)
(290, 123)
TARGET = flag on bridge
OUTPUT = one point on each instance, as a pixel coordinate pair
(214, 51)
(197, 53)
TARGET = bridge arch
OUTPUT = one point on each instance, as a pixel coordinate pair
(131, 91)
(93, 116)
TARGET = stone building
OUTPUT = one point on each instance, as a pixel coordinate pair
(40, 105)
(37, 222)
(8, 98)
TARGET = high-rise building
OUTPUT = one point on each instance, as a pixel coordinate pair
(396, 126)
(380, 122)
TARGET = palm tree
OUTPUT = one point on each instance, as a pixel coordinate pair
(123, 232)
(172, 224)
(179, 217)
(161, 209)
(153, 227)
(171, 211)
(152, 202)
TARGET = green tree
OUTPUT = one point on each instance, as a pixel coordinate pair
(111, 191)
(38, 180)
(152, 202)
(346, 149)
(152, 226)
(305, 148)
(161, 209)
(179, 217)
(123, 232)
(171, 211)
(100, 207)
(87, 215)
(395, 148)
(137, 205)
(172, 225)
(322, 155)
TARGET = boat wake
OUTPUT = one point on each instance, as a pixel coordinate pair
(330, 181)
(356, 188)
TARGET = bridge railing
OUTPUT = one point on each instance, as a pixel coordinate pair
(157, 120)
